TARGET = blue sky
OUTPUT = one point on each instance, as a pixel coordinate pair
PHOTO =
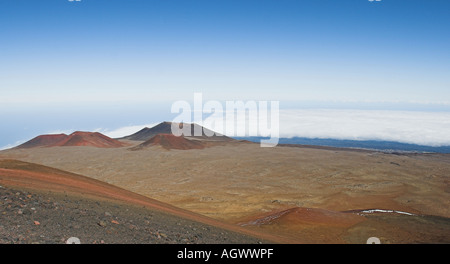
(111, 63)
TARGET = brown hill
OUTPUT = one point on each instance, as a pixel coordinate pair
(93, 139)
(169, 141)
(43, 141)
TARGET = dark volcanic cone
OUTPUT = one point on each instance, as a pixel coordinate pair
(166, 128)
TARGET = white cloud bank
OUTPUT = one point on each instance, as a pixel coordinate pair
(422, 128)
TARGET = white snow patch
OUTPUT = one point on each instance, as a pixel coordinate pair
(371, 211)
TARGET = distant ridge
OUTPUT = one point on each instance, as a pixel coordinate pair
(371, 145)
(78, 138)
(166, 128)
(169, 141)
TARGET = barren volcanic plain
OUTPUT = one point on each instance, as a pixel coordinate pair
(304, 194)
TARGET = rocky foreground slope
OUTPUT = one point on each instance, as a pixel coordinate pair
(28, 217)
(39, 204)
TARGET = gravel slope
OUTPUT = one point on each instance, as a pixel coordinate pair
(30, 217)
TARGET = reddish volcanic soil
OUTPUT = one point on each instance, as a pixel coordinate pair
(29, 176)
(169, 141)
(306, 225)
(315, 225)
(44, 141)
(308, 216)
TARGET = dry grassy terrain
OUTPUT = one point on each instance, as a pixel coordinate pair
(239, 182)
